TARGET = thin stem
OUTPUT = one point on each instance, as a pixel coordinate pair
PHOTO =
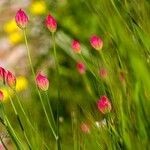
(25, 115)
(58, 84)
(105, 63)
(89, 67)
(10, 130)
(50, 108)
(32, 69)
(29, 56)
(49, 123)
(20, 122)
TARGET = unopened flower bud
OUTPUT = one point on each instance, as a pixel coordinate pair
(76, 46)
(51, 23)
(21, 19)
(2, 75)
(80, 67)
(11, 80)
(96, 42)
(104, 105)
(42, 82)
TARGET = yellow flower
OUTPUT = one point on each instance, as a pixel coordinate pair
(38, 7)
(22, 84)
(15, 37)
(10, 26)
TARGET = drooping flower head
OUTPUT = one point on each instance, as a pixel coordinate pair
(11, 80)
(51, 23)
(1, 96)
(104, 105)
(2, 75)
(96, 42)
(21, 19)
(80, 67)
(76, 46)
(42, 82)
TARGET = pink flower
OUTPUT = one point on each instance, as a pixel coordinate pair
(85, 128)
(11, 80)
(80, 67)
(2, 75)
(103, 73)
(76, 46)
(42, 82)
(1, 96)
(21, 19)
(104, 105)
(51, 23)
(96, 42)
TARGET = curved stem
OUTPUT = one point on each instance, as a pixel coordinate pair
(10, 130)
(29, 56)
(50, 108)
(32, 69)
(20, 122)
(58, 85)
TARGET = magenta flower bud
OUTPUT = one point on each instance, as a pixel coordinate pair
(51, 23)
(2, 75)
(96, 42)
(76, 46)
(80, 67)
(104, 105)
(21, 19)
(1, 96)
(103, 73)
(42, 82)
(85, 128)
(11, 80)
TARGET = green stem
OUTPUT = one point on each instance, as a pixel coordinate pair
(20, 122)
(58, 84)
(50, 108)
(10, 130)
(29, 56)
(89, 67)
(49, 123)
(32, 69)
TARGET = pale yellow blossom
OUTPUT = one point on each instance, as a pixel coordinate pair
(38, 8)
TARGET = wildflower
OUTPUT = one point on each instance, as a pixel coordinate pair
(51, 23)
(80, 67)
(21, 19)
(42, 82)
(15, 37)
(104, 105)
(22, 83)
(1, 96)
(10, 26)
(2, 75)
(85, 128)
(11, 80)
(96, 42)
(76, 46)
(38, 7)
(103, 73)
